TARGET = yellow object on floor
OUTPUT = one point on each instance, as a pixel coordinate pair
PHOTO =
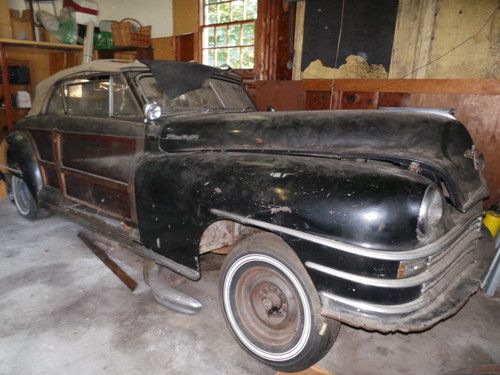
(3, 190)
(492, 222)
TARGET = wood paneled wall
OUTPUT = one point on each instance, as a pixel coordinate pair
(476, 104)
(274, 30)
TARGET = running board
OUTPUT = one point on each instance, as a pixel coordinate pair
(109, 229)
(167, 295)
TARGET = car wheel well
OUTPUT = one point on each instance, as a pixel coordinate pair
(220, 236)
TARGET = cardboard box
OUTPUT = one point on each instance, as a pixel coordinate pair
(5, 27)
(21, 24)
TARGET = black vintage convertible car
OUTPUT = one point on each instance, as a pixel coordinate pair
(370, 218)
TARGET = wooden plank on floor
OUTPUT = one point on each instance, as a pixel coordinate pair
(115, 268)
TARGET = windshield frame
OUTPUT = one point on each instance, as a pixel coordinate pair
(135, 80)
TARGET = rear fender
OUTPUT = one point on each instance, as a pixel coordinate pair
(19, 153)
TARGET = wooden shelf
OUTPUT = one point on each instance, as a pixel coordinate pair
(44, 45)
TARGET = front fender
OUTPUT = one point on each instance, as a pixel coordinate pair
(357, 202)
(20, 156)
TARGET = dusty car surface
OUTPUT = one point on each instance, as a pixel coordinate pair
(370, 218)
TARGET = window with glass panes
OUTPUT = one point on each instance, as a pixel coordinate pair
(229, 33)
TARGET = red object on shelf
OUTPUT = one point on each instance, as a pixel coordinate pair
(80, 8)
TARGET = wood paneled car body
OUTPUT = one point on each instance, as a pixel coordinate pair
(371, 218)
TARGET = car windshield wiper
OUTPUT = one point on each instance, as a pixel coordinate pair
(246, 109)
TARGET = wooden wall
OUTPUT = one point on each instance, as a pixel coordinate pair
(428, 29)
(274, 30)
(185, 16)
(476, 104)
(450, 39)
(43, 63)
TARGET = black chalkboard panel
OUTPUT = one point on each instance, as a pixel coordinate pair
(367, 30)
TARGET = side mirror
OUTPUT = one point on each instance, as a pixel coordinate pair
(152, 111)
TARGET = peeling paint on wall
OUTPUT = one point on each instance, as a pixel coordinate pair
(355, 67)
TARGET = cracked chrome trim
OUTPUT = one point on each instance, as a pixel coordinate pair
(418, 253)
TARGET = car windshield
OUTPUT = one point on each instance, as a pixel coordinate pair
(214, 94)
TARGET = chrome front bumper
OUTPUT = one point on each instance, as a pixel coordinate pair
(452, 276)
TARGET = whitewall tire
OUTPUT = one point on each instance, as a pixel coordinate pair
(271, 305)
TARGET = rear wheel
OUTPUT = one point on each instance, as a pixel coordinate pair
(272, 306)
(23, 199)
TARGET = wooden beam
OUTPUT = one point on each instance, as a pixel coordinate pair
(413, 38)
(44, 45)
(426, 28)
(299, 40)
(90, 242)
(8, 108)
(450, 86)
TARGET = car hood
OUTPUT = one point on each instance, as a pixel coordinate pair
(438, 144)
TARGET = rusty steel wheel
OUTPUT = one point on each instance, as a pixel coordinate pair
(271, 305)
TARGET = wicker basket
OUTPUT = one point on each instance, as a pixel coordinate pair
(123, 36)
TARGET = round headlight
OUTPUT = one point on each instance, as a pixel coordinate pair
(152, 111)
(431, 210)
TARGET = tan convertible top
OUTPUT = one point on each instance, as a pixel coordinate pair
(105, 66)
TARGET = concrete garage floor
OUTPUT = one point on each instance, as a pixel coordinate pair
(62, 311)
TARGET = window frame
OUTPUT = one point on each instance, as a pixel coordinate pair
(74, 81)
(61, 85)
(243, 72)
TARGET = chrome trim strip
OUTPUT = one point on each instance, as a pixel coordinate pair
(479, 194)
(459, 251)
(417, 253)
(431, 292)
(3, 166)
(374, 307)
(436, 258)
(445, 112)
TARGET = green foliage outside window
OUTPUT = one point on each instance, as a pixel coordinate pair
(229, 33)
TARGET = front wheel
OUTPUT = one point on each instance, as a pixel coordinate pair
(272, 306)
(23, 199)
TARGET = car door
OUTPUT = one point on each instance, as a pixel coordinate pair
(97, 134)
